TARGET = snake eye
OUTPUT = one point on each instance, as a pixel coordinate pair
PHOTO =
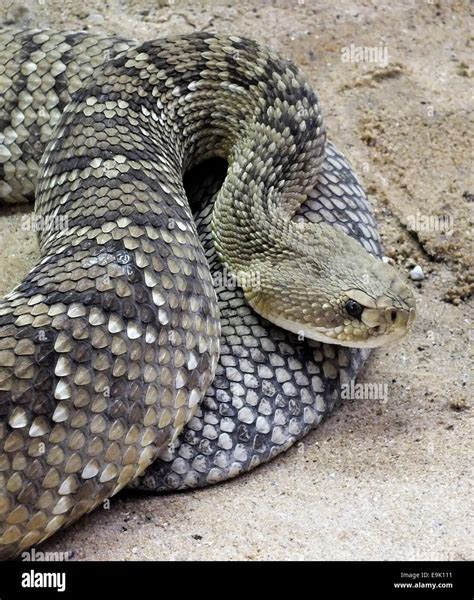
(353, 308)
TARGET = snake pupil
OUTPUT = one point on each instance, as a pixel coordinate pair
(353, 308)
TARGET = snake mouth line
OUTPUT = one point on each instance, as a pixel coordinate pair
(377, 336)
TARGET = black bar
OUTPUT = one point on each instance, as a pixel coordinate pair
(105, 580)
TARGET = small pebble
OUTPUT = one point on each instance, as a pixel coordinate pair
(95, 19)
(416, 274)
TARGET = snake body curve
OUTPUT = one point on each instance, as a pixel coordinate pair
(119, 339)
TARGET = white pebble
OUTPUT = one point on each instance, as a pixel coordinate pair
(95, 19)
(416, 274)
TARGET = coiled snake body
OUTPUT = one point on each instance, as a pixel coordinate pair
(129, 328)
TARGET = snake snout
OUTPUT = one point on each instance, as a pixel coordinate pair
(400, 318)
(404, 313)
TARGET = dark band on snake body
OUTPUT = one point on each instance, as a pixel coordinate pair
(270, 388)
(110, 343)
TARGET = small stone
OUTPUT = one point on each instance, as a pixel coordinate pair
(416, 274)
(95, 19)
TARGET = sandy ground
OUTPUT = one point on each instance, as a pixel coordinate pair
(378, 480)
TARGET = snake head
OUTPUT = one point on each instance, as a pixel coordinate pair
(331, 289)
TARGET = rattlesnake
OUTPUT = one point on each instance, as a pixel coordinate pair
(114, 341)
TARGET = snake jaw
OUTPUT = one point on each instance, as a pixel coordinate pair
(374, 337)
(383, 318)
